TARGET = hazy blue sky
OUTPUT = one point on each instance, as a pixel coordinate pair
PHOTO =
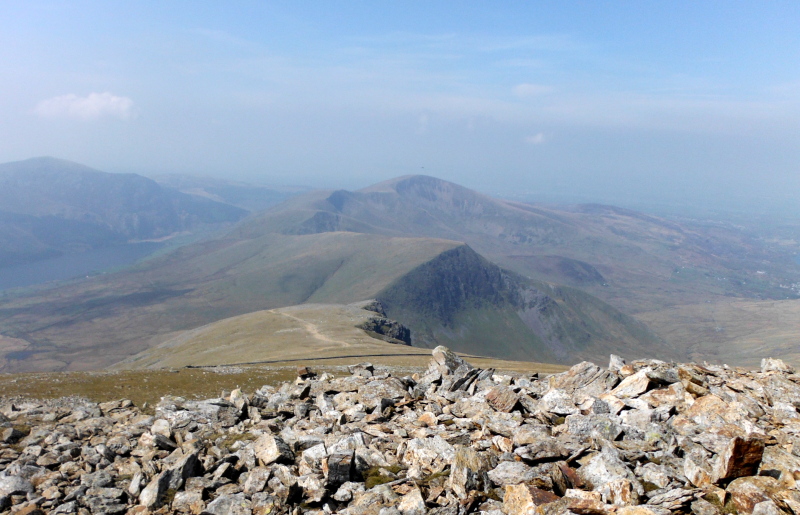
(634, 99)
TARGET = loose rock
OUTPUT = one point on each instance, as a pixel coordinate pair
(643, 437)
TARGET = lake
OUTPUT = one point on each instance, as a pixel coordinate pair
(70, 266)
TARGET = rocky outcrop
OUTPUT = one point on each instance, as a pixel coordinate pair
(646, 437)
(386, 329)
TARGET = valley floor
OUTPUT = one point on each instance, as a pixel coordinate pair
(736, 332)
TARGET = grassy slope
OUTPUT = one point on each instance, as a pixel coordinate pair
(285, 334)
(457, 299)
(96, 323)
(634, 261)
(480, 329)
(648, 264)
(732, 331)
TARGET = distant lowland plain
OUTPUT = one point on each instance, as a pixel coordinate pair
(120, 271)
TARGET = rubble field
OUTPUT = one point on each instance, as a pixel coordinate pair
(645, 437)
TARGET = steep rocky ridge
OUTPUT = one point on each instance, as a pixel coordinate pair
(461, 299)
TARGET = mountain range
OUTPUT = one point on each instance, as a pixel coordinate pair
(455, 267)
(634, 261)
(49, 207)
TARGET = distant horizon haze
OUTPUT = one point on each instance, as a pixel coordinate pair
(648, 199)
(685, 104)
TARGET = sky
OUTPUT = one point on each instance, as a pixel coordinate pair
(655, 103)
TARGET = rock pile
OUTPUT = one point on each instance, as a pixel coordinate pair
(646, 437)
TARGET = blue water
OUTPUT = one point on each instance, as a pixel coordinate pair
(71, 266)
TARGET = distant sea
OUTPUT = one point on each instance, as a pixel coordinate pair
(71, 266)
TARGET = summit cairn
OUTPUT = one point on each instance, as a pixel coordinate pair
(645, 437)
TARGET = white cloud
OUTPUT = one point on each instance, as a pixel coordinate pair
(536, 139)
(91, 107)
(531, 90)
